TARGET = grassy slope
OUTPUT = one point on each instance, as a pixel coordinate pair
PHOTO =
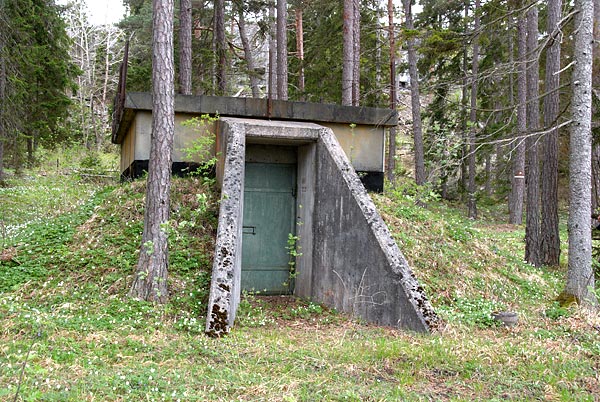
(64, 312)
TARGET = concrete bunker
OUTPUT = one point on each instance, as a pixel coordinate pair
(310, 154)
(349, 260)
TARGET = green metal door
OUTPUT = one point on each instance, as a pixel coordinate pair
(269, 209)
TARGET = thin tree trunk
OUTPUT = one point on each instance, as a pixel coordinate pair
(185, 47)
(247, 51)
(221, 46)
(282, 56)
(550, 248)
(415, 98)
(595, 110)
(2, 106)
(356, 55)
(580, 275)
(348, 52)
(391, 168)
(463, 112)
(518, 177)
(300, 50)
(532, 171)
(150, 280)
(272, 54)
(472, 202)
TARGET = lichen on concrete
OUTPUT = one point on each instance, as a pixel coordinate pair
(224, 290)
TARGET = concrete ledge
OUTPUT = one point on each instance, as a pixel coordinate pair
(260, 108)
(224, 295)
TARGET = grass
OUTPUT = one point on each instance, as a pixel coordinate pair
(67, 326)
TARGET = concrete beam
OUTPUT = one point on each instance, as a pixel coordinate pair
(261, 108)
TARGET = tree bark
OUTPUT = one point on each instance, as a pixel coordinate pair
(472, 202)
(595, 109)
(532, 172)
(185, 47)
(2, 107)
(356, 54)
(580, 275)
(300, 50)
(348, 53)
(550, 238)
(518, 179)
(247, 51)
(272, 54)
(150, 280)
(282, 56)
(391, 165)
(415, 98)
(220, 47)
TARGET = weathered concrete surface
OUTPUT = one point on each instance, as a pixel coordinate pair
(360, 130)
(224, 295)
(259, 108)
(357, 266)
(349, 260)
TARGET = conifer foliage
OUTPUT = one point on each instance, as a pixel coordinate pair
(36, 73)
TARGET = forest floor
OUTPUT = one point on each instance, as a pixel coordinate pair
(68, 331)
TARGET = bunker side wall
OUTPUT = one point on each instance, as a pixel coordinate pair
(357, 267)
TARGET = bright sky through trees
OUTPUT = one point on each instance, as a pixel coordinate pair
(103, 11)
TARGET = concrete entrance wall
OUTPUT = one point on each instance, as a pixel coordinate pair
(360, 130)
(349, 262)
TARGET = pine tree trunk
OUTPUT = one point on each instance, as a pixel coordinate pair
(348, 53)
(518, 181)
(391, 165)
(150, 280)
(247, 52)
(272, 92)
(282, 67)
(580, 275)
(550, 248)
(185, 47)
(2, 106)
(472, 202)
(300, 50)
(356, 55)
(415, 98)
(221, 47)
(532, 172)
(463, 183)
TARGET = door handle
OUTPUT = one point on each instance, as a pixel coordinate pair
(249, 230)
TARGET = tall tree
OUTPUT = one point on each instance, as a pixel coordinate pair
(517, 181)
(532, 174)
(150, 280)
(272, 84)
(356, 53)
(300, 48)
(415, 96)
(2, 96)
(550, 238)
(391, 165)
(220, 47)
(248, 56)
(580, 275)
(348, 52)
(185, 47)
(471, 202)
(282, 57)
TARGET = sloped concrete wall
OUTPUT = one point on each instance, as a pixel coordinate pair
(357, 266)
